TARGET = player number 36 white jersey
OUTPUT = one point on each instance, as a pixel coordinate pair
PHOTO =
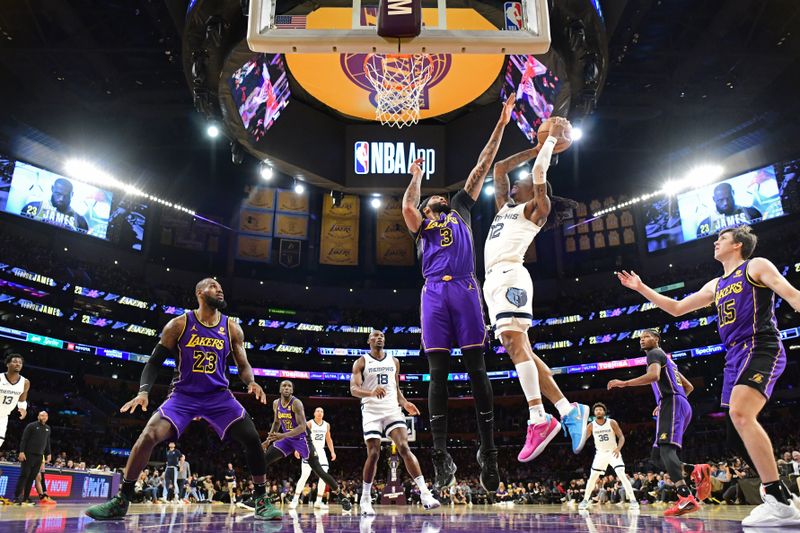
(509, 237)
(381, 373)
(604, 438)
(10, 393)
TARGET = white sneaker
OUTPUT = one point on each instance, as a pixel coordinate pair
(633, 506)
(293, 504)
(772, 513)
(583, 506)
(428, 501)
(319, 505)
(366, 508)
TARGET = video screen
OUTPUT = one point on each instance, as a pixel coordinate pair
(745, 199)
(536, 89)
(32, 192)
(260, 90)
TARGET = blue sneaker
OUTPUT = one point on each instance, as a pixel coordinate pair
(576, 423)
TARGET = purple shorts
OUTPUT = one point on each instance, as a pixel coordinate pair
(757, 362)
(451, 314)
(674, 416)
(220, 409)
(297, 444)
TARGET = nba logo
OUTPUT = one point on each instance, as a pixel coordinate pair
(513, 12)
(362, 157)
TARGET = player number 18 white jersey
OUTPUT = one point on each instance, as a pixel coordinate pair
(605, 440)
(10, 393)
(381, 373)
(510, 235)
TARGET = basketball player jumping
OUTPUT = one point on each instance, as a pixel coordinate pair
(13, 392)
(508, 290)
(320, 436)
(201, 341)
(608, 443)
(755, 358)
(376, 380)
(673, 414)
(451, 311)
(289, 433)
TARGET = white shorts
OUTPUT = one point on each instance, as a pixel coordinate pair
(508, 291)
(3, 425)
(602, 460)
(378, 426)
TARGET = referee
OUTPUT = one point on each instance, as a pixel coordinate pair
(34, 445)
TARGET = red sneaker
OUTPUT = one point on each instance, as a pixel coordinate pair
(684, 506)
(701, 475)
(47, 501)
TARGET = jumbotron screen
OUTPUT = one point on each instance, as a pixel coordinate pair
(260, 91)
(536, 89)
(749, 198)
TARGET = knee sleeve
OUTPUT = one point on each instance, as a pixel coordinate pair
(244, 432)
(669, 456)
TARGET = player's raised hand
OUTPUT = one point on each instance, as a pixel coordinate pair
(22, 413)
(416, 168)
(411, 409)
(140, 400)
(558, 127)
(379, 392)
(615, 384)
(630, 279)
(256, 390)
(508, 106)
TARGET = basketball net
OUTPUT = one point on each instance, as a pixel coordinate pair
(398, 80)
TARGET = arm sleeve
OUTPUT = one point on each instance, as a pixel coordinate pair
(154, 364)
(462, 203)
(542, 162)
(26, 435)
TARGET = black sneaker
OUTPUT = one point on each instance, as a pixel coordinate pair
(345, 503)
(445, 470)
(490, 476)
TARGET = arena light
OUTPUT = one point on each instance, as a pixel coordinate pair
(299, 188)
(522, 174)
(265, 171)
(212, 131)
(488, 190)
(577, 133)
(375, 203)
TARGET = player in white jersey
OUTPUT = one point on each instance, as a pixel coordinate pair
(376, 380)
(608, 443)
(522, 212)
(13, 392)
(320, 436)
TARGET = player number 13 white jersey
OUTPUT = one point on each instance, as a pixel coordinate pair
(605, 440)
(10, 393)
(509, 237)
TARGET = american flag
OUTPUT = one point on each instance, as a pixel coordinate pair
(290, 22)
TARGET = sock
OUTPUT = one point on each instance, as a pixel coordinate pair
(687, 470)
(536, 414)
(420, 481)
(529, 380)
(366, 491)
(778, 490)
(683, 491)
(261, 488)
(128, 488)
(564, 407)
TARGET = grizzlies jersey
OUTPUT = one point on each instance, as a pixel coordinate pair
(202, 355)
(744, 308)
(605, 440)
(10, 393)
(318, 432)
(510, 235)
(380, 372)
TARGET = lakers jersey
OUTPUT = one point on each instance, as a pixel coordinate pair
(318, 433)
(744, 308)
(510, 235)
(202, 355)
(382, 373)
(605, 440)
(10, 393)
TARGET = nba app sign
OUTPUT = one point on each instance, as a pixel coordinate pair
(392, 158)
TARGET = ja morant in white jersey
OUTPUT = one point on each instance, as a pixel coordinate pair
(13, 393)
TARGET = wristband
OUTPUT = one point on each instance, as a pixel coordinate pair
(22, 405)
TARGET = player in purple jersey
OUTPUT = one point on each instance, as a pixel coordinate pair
(674, 415)
(451, 310)
(289, 434)
(745, 300)
(200, 340)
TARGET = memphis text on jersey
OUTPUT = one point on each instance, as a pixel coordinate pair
(507, 216)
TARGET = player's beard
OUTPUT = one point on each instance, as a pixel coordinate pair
(441, 208)
(214, 303)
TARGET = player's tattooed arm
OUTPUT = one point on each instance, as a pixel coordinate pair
(242, 364)
(538, 209)
(502, 184)
(762, 271)
(411, 197)
(357, 380)
(478, 175)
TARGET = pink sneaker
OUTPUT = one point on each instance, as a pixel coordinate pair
(539, 436)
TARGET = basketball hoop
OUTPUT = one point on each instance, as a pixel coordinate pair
(398, 80)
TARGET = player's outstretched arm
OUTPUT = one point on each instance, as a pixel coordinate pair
(698, 300)
(474, 182)
(502, 184)
(411, 214)
(242, 364)
(764, 272)
(652, 375)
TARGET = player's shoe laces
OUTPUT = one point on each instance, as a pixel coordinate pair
(366, 507)
(490, 476)
(114, 509)
(576, 424)
(584, 505)
(428, 501)
(538, 437)
(684, 505)
(444, 469)
(772, 513)
(264, 509)
(701, 475)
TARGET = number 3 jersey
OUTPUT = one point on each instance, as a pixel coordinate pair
(9, 394)
(202, 354)
(745, 309)
(379, 373)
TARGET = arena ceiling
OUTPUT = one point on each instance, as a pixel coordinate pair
(686, 78)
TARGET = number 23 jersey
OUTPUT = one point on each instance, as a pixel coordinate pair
(744, 308)
(379, 373)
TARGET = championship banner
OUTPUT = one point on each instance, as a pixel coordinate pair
(260, 198)
(291, 202)
(291, 226)
(339, 232)
(394, 245)
(254, 248)
(252, 221)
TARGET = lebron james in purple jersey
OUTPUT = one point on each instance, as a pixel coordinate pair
(451, 312)
(200, 340)
(754, 359)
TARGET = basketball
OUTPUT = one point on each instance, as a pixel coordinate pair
(562, 144)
